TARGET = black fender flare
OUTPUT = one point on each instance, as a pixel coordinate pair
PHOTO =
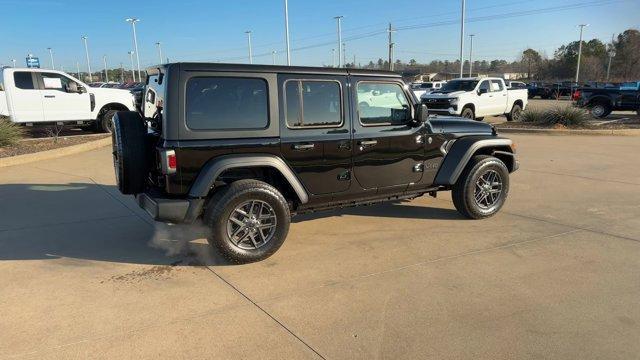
(600, 98)
(461, 152)
(214, 167)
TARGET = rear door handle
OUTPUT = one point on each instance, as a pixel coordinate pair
(367, 143)
(304, 147)
(50, 96)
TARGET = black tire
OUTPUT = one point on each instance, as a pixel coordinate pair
(514, 114)
(600, 110)
(223, 205)
(129, 156)
(105, 122)
(464, 191)
(480, 118)
(467, 113)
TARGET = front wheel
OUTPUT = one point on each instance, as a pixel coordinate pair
(482, 188)
(249, 220)
(105, 122)
(600, 110)
(467, 113)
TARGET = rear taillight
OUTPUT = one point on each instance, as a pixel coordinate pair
(576, 95)
(169, 161)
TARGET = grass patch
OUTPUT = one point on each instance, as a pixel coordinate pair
(10, 133)
(565, 116)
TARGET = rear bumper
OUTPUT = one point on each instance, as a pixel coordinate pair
(170, 210)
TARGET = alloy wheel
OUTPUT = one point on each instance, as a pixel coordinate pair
(488, 189)
(252, 224)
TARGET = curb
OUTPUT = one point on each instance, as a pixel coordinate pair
(561, 132)
(53, 154)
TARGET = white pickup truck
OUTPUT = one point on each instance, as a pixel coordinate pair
(39, 96)
(475, 98)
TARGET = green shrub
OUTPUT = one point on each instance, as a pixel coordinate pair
(567, 116)
(532, 116)
(10, 133)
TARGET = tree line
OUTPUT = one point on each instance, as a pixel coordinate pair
(622, 57)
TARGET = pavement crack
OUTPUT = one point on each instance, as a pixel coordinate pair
(266, 313)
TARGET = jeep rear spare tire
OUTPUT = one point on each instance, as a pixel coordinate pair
(129, 155)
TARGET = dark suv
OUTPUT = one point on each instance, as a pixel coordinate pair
(245, 147)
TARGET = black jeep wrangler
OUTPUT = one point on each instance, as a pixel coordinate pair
(245, 147)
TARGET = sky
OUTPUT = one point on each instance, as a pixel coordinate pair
(214, 30)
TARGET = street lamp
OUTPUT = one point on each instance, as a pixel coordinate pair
(462, 39)
(273, 55)
(53, 67)
(86, 50)
(159, 45)
(14, 62)
(581, 26)
(470, 55)
(133, 71)
(286, 30)
(106, 74)
(248, 32)
(133, 22)
(340, 59)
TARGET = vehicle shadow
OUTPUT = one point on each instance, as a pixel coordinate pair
(89, 221)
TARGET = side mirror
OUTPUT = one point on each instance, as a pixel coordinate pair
(81, 89)
(422, 115)
(482, 91)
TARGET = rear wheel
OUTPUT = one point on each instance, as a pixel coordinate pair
(467, 113)
(482, 188)
(514, 114)
(600, 110)
(249, 220)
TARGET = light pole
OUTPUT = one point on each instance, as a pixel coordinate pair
(390, 31)
(86, 50)
(612, 53)
(579, 51)
(133, 22)
(159, 45)
(333, 57)
(273, 55)
(471, 54)
(340, 59)
(121, 73)
(462, 39)
(106, 75)
(248, 32)
(286, 30)
(133, 71)
(53, 67)
(78, 69)
(14, 62)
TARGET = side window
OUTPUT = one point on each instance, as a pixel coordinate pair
(313, 103)
(23, 80)
(382, 104)
(226, 103)
(485, 85)
(496, 85)
(52, 81)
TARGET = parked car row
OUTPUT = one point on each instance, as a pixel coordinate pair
(602, 101)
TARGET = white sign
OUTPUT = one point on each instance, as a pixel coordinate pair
(52, 83)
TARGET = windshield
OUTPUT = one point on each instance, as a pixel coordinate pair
(459, 85)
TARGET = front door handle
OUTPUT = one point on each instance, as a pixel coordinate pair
(304, 147)
(50, 96)
(367, 143)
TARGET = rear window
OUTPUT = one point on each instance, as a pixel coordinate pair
(225, 103)
(313, 104)
(23, 80)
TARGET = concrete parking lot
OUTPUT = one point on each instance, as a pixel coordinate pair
(555, 275)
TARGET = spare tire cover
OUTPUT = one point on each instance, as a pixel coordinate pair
(129, 158)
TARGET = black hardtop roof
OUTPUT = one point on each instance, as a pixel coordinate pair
(197, 66)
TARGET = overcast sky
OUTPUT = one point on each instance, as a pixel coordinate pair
(214, 30)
